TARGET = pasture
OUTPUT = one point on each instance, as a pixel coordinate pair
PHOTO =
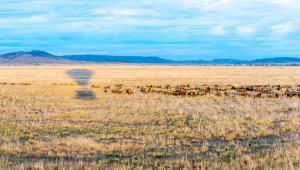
(149, 117)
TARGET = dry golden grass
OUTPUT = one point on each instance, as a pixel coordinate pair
(133, 74)
(43, 126)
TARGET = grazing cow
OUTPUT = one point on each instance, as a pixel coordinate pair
(226, 93)
(258, 95)
(143, 89)
(95, 86)
(193, 93)
(277, 95)
(245, 94)
(291, 93)
(276, 87)
(117, 91)
(129, 91)
(208, 89)
(218, 94)
(168, 86)
(250, 88)
(106, 88)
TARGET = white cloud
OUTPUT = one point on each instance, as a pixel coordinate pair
(208, 4)
(282, 2)
(35, 19)
(284, 28)
(123, 12)
(246, 30)
(116, 12)
(218, 30)
(24, 20)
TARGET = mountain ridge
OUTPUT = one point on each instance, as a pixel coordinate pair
(42, 57)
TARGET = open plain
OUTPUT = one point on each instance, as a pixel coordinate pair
(149, 117)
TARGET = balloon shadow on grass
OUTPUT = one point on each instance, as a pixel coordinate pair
(82, 77)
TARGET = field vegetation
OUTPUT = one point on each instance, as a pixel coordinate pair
(150, 117)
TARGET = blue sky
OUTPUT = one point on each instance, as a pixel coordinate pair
(174, 29)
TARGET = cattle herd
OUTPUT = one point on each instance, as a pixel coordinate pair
(256, 91)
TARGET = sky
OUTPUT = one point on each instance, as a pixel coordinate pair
(172, 29)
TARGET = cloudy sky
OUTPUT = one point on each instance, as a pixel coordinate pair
(175, 29)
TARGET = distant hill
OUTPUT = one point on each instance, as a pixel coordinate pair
(41, 57)
(278, 60)
(32, 57)
(227, 61)
(118, 59)
(216, 62)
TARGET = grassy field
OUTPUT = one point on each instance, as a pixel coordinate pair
(44, 125)
(133, 74)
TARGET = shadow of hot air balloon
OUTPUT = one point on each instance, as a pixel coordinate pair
(82, 78)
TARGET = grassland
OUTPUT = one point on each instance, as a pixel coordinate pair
(133, 74)
(44, 126)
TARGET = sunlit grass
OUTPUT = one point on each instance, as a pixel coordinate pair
(43, 126)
